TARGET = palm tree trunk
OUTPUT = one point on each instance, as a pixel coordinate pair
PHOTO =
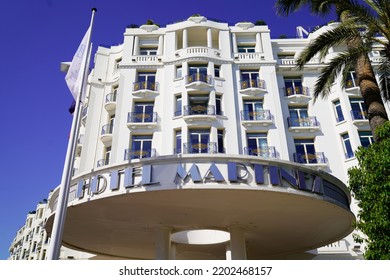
(371, 94)
(369, 88)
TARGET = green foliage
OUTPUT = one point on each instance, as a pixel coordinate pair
(369, 183)
(260, 22)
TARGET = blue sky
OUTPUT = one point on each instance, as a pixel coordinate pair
(36, 35)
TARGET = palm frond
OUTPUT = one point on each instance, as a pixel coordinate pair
(384, 78)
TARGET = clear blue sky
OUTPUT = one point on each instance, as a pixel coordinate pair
(36, 35)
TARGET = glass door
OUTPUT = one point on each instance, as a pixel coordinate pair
(199, 141)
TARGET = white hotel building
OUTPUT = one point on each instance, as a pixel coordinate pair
(201, 140)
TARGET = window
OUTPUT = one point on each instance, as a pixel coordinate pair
(199, 105)
(141, 146)
(117, 62)
(257, 144)
(143, 112)
(359, 111)
(246, 48)
(199, 141)
(197, 73)
(351, 80)
(178, 142)
(366, 138)
(178, 105)
(293, 86)
(249, 79)
(299, 117)
(347, 146)
(106, 157)
(216, 71)
(338, 111)
(179, 71)
(220, 147)
(148, 50)
(305, 152)
(218, 105)
(253, 110)
(145, 80)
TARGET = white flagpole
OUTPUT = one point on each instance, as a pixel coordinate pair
(60, 214)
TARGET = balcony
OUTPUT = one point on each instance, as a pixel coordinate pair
(200, 148)
(84, 114)
(268, 152)
(103, 162)
(249, 57)
(79, 144)
(199, 81)
(199, 113)
(288, 64)
(308, 124)
(142, 120)
(253, 87)
(110, 102)
(297, 95)
(138, 154)
(256, 118)
(145, 89)
(359, 118)
(352, 87)
(204, 52)
(147, 59)
(106, 134)
(317, 158)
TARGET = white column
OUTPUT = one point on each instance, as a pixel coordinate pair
(185, 38)
(228, 252)
(237, 243)
(235, 49)
(136, 46)
(259, 47)
(173, 251)
(209, 38)
(163, 243)
(160, 45)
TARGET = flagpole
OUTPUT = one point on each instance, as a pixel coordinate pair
(60, 214)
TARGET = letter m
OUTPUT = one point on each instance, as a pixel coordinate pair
(193, 173)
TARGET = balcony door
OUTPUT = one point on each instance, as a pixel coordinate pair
(253, 110)
(141, 146)
(249, 78)
(197, 73)
(299, 116)
(257, 144)
(293, 86)
(198, 104)
(146, 80)
(143, 112)
(199, 141)
(305, 151)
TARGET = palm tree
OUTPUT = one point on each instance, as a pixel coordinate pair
(358, 44)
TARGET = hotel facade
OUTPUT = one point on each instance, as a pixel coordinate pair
(200, 140)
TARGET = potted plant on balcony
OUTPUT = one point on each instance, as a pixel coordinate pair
(149, 26)
(197, 18)
(244, 24)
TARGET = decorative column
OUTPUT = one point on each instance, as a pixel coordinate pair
(259, 47)
(185, 38)
(228, 252)
(209, 38)
(237, 243)
(234, 38)
(136, 46)
(163, 243)
(160, 45)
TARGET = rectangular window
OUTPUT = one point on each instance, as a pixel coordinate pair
(359, 111)
(216, 71)
(347, 146)
(218, 105)
(246, 49)
(250, 79)
(199, 142)
(221, 148)
(148, 50)
(253, 110)
(338, 111)
(145, 80)
(299, 117)
(141, 147)
(351, 80)
(178, 105)
(143, 112)
(293, 86)
(178, 142)
(199, 105)
(305, 151)
(366, 138)
(257, 145)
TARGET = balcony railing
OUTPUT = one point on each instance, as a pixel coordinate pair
(200, 148)
(316, 158)
(134, 117)
(107, 129)
(138, 154)
(302, 122)
(199, 77)
(190, 110)
(103, 162)
(260, 115)
(289, 91)
(257, 83)
(268, 152)
(359, 115)
(111, 97)
(144, 85)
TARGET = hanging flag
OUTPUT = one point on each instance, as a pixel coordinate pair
(74, 77)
